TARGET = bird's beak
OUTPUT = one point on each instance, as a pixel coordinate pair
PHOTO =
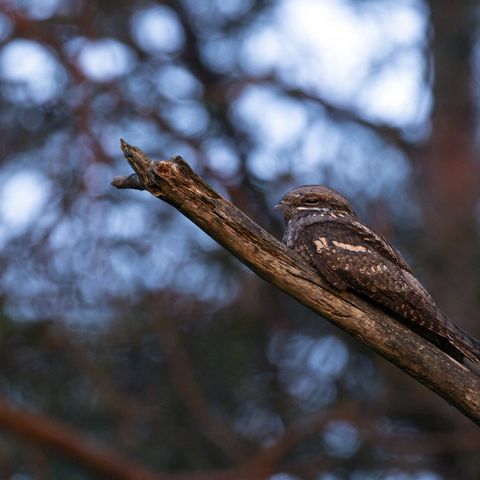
(278, 206)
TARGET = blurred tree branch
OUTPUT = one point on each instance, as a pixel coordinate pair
(338, 113)
(51, 433)
(174, 182)
(181, 372)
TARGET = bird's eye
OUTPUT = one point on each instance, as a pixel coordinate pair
(311, 201)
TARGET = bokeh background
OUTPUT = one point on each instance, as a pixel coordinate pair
(124, 323)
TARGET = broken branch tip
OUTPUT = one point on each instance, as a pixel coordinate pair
(132, 182)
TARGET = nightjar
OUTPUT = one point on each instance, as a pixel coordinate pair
(323, 228)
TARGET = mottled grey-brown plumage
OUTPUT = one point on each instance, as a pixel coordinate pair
(323, 228)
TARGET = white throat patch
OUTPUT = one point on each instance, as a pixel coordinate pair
(323, 211)
(318, 209)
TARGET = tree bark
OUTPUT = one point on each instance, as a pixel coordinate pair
(174, 182)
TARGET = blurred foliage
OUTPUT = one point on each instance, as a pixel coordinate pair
(121, 318)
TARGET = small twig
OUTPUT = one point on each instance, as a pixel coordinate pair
(174, 182)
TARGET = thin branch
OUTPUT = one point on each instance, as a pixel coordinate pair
(197, 404)
(73, 444)
(174, 182)
(390, 134)
(337, 112)
(267, 460)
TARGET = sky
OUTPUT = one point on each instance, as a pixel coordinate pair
(341, 45)
(368, 59)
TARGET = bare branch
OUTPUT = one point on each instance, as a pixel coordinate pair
(73, 444)
(174, 182)
(193, 398)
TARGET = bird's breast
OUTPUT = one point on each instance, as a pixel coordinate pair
(297, 224)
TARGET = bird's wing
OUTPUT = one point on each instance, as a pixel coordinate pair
(348, 252)
(375, 242)
(350, 256)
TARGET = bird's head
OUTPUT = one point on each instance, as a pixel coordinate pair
(314, 200)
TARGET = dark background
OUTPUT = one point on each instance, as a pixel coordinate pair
(124, 321)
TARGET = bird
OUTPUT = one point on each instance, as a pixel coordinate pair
(323, 228)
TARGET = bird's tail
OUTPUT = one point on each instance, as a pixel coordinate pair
(472, 361)
(468, 346)
(450, 338)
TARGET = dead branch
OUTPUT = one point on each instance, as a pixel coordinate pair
(174, 182)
